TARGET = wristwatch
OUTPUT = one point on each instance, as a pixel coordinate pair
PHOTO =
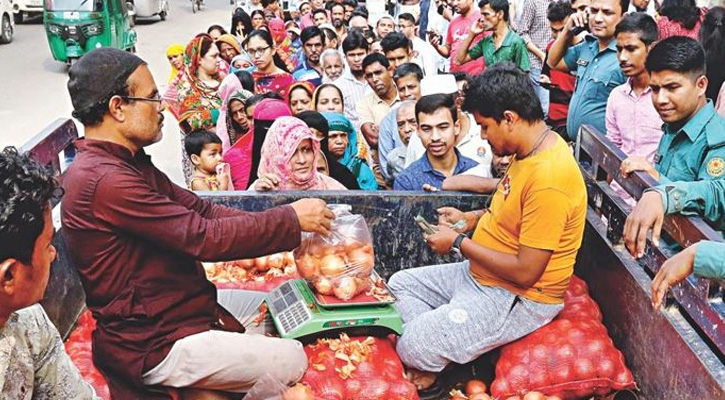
(456, 247)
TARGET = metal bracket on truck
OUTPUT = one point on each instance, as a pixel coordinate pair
(696, 309)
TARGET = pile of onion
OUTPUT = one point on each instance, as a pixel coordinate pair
(476, 390)
(265, 263)
(258, 269)
(342, 270)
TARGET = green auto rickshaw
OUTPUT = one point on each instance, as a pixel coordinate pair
(75, 27)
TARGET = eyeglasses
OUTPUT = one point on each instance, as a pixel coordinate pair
(258, 52)
(155, 99)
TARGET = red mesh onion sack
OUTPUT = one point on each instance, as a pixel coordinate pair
(572, 357)
(356, 368)
(78, 347)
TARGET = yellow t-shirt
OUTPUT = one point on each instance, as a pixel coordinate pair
(541, 204)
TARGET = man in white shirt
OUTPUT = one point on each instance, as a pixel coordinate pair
(425, 54)
(470, 143)
(352, 82)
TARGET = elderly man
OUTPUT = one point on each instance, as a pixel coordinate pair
(332, 65)
(34, 363)
(136, 239)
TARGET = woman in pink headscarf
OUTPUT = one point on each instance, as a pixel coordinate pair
(290, 154)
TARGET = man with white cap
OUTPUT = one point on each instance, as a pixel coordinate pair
(384, 26)
(470, 143)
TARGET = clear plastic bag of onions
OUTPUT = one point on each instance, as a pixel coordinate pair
(339, 265)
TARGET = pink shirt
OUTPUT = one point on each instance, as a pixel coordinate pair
(457, 32)
(633, 124)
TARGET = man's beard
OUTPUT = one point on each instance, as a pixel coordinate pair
(338, 23)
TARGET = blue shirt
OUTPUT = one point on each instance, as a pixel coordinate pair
(597, 73)
(388, 139)
(306, 73)
(421, 172)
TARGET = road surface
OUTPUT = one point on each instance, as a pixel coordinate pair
(33, 89)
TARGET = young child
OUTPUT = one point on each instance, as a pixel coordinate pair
(205, 151)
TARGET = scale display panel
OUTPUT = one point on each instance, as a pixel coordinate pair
(289, 308)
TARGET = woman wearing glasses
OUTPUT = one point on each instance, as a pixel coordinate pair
(270, 75)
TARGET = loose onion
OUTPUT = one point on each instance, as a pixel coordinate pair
(246, 264)
(323, 286)
(299, 392)
(289, 258)
(276, 261)
(261, 263)
(345, 288)
(553, 398)
(475, 386)
(332, 266)
(479, 396)
(534, 396)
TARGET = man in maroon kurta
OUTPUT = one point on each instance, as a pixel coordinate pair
(136, 238)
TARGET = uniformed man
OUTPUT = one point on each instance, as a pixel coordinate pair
(706, 199)
(593, 61)
(694, 134)
(690, 161)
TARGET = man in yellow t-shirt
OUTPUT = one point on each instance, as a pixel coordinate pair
(522, 253)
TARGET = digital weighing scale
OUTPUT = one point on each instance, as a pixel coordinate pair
(298, 314)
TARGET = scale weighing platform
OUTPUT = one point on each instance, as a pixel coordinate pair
(298, 314)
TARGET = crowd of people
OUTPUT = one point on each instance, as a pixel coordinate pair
(444, 95)
(336, 58)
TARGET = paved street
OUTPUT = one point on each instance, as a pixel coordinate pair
(33, 86)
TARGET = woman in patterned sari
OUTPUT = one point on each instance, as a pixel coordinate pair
(193, 97)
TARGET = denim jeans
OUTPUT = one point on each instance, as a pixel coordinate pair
(541, 93)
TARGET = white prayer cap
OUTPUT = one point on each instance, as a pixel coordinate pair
(438, 84)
